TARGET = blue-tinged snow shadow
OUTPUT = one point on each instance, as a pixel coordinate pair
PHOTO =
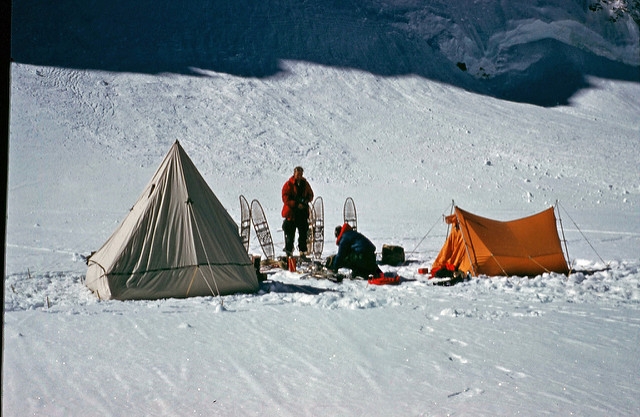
(251, 38)
(281, 287)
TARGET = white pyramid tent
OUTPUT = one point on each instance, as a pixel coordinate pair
(177, 241)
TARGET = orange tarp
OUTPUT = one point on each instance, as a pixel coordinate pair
(526, 247)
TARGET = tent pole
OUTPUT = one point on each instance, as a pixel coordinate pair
(585, 238)
(564, 239)
(466, 248)
(451, 210)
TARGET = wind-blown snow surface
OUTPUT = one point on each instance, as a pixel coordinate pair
(83, 144)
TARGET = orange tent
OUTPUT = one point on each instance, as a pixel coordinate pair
(480, 246)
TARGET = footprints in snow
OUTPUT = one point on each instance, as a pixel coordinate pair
(453, 356)
(510, 373)
(461, 359)
(469, 392)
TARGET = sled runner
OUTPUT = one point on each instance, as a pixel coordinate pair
(261, 227)
(349, 213)
(245, 222)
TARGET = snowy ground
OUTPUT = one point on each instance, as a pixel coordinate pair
(83, 143)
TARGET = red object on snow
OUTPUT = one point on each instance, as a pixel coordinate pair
(447, 271)
(423, 271)
(384, 280)
(291, 263)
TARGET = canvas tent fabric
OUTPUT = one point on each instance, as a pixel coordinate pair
(480, 246)
(177, 241)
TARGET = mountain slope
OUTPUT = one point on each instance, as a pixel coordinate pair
(508, 49)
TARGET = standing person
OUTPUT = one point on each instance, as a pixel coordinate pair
(355, 252)
(296, 196)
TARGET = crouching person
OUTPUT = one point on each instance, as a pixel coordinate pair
(355, 252)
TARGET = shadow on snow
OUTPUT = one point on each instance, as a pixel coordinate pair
(250, 39)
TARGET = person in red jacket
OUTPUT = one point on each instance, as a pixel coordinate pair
(296, 196)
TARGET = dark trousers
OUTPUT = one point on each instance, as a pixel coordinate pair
(289, 227)
(361, 264)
